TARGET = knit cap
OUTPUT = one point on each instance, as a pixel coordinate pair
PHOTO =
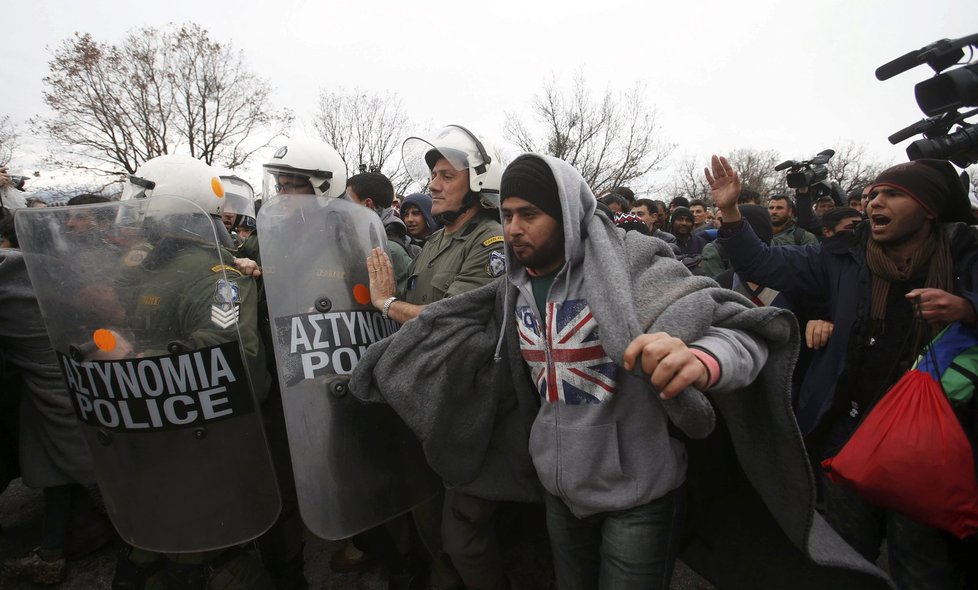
(531, 179)
(932, 183)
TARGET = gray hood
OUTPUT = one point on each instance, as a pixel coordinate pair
(577, 205)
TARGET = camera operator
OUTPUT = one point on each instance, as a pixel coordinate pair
(782, 211)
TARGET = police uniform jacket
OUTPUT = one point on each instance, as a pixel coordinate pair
(450, 264)
(183, 292)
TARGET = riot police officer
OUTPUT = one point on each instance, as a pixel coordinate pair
(179, 295)
(463, 178)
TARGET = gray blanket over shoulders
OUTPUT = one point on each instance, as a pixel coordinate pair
(752, 522)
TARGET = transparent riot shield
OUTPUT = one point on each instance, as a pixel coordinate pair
(356, 464)
(144, 316)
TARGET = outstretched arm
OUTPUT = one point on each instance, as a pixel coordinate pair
(382, 288)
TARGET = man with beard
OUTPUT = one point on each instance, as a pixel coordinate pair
(552, 355)
(782, 212)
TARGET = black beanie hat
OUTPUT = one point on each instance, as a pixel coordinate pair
(932, 183)
(681, 212)
(531, 179)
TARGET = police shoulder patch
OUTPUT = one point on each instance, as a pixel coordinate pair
(492, 240)
(231, 269)
(224, 311)
(496, 265)
(135, 257)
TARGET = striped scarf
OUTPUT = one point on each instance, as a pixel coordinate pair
(934, 252)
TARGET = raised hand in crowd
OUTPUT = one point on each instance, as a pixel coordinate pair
(725, 187)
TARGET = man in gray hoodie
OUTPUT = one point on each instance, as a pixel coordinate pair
(612, 472)
(528, 398)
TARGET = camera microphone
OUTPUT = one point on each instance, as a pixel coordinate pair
(901, 64)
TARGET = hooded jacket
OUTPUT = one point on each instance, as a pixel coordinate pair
(751, 523)
(423, 203)
(600, 441)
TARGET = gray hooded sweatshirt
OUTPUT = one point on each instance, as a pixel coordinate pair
(600, 441)
(751, 522)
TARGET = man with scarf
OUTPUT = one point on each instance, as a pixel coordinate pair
(890, 285)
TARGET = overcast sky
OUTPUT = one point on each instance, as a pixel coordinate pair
(793, 76)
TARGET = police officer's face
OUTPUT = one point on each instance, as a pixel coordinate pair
(448, 187)
(535, 238)
(412, 217)
(227, 219)
(289, 184)
(81, 221)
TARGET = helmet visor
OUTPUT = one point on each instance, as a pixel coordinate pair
(451, 143)
(239, 198)
(137, 188)
(278, 182)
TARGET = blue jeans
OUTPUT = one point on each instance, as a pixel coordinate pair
(625, 550)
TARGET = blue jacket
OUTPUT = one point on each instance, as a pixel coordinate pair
(834, 271)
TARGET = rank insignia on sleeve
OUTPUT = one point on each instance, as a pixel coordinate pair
(492, 240)
(224, 311)
(224, 267)
(497, 264)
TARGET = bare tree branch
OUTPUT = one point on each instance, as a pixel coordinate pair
(367, 130)
(156, 92)
(8, 140)
(612, 140)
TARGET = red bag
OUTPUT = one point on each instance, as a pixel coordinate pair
(911, 456)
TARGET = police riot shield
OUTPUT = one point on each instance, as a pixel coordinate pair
(144, 315)
(356, 464)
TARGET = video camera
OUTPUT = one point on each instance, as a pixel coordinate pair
(812, 174)
(940, 98)
(18, 182)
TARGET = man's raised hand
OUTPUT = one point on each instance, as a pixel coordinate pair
(724, 185)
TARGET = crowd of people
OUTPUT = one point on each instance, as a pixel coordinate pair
(504, 359)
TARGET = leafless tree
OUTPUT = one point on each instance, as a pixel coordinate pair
(755, 168)
(8, 140)
(613, 140)
(689, 181)
(852, 167)
(156, 92)
(367, 129)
